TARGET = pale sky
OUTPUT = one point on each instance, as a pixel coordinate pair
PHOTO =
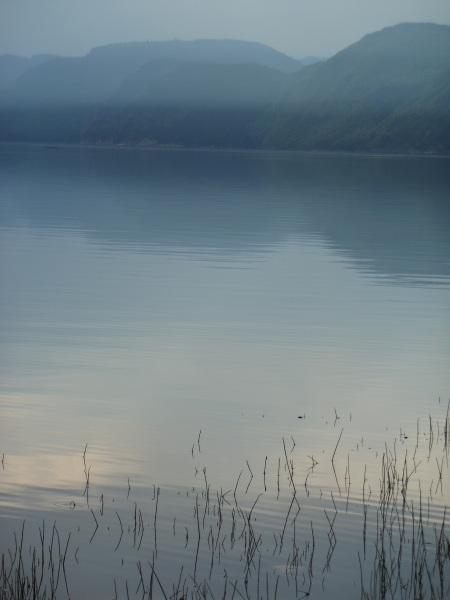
(297, 27)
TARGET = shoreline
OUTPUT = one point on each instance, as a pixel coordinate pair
(216, 149)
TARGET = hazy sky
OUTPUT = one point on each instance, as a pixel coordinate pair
(297, 27)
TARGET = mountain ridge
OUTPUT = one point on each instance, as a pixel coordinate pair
(393, 79)
(388, 92)
(96, 76)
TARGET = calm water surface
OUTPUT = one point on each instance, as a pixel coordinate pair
(150, 295)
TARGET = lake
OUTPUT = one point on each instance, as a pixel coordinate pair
(170, 319)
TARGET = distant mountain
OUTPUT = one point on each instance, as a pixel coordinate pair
(389, 92)
(208, 51)
(307, 61)
(386, 68)
(98, 75)
(189, 104)
(174, 83)
(12, 67)
(391, 89)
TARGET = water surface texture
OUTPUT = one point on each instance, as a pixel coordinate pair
(150, 295)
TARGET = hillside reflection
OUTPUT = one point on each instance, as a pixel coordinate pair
(387, 217)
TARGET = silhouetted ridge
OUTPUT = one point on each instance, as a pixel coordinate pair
(389, 92)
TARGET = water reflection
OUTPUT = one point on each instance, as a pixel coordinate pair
(388, 216)
(149, 294)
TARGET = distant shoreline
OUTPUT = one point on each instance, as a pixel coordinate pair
(217, 149)
(384, 95)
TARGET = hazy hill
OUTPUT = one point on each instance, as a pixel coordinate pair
(392, 78)
(307, 61)
(97, 76)
(388, 92)
(211, 51)
(384, 69)
(12, 67)
(174, 83)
